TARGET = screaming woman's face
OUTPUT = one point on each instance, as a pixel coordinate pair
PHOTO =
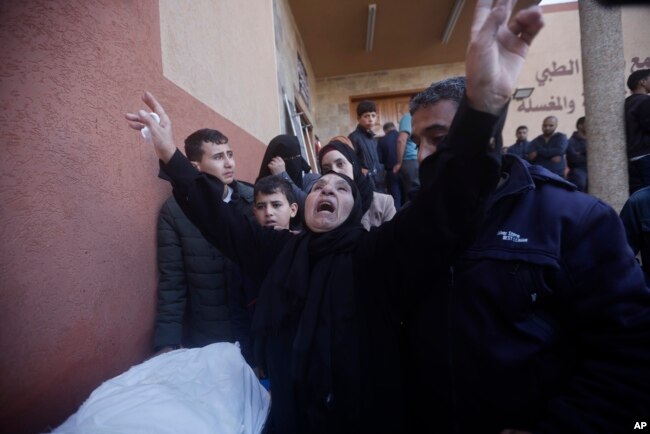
(328, 204)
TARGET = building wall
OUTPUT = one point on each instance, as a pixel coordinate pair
(288, 45)
(80, 196)
(334, 93)
(554, 69)
(557, 46)
(209, 51)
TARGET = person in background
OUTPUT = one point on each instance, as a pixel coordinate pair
(286, 148)
(365, 145)
(195, 277)
(576, 156)
(548, 149)
(275, 207)
(637, 129)
(520, 147)
(407, 158)
(387, 149)
(636, 219)
(377, 208)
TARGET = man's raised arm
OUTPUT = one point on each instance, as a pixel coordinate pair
(497, 51)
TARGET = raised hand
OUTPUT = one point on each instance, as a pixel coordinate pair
(277, 165)
(497, 51)
(161, 133)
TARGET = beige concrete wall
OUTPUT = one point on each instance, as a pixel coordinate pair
(288, 44)
(223, 54)
(557, 92)
(554, 69)
(333, 93)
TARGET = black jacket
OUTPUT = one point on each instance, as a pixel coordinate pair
(194, 279)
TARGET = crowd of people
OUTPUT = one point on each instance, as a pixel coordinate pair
(422, 283)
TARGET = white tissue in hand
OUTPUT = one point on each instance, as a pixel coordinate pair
(145, 131)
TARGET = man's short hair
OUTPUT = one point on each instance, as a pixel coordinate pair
(389, 126)
(580, 121)
(194, 142)
(634, 78)
(274, 184)
(366, 106)
(451, 89)
(521, 127)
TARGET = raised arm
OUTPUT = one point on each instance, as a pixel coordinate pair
(200, 197)
(497, 51)
(162, 136)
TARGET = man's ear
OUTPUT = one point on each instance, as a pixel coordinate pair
(294, 209)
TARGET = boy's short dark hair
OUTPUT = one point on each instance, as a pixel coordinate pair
(580, 121)
(521, 127)
(194, 142)
(274, 184)
(366, 106)
(389, 126)
(634, 78)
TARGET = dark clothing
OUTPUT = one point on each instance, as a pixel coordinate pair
(519, 148)
(556, 146)
(194, 279)
(637, 132)
(333, 351)
(365, 147)
(362, 181)
(576, 158)
(636, 220)
(288, 148)
(542, 325)
(637, 124)
(387, 147)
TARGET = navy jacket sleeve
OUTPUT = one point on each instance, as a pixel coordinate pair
(609, 306)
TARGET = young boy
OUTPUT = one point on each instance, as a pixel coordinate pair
(192, 309)
(365, 145)
(274, 206)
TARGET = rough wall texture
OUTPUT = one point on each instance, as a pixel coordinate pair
(288, 44)
(80, 197)
(223, 53)
(604, 101)
(334, 93)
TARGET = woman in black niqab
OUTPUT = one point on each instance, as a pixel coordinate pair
(288, 148)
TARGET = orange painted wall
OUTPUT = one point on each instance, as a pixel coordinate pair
(79, 198)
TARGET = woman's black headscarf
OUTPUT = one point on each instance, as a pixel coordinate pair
(310, 292)
(359, 178)
(288, 148)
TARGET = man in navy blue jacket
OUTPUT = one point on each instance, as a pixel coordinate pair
(543, 323)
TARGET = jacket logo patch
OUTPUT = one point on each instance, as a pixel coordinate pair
(511, 236)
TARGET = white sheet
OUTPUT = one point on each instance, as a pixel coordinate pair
(193, 391)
